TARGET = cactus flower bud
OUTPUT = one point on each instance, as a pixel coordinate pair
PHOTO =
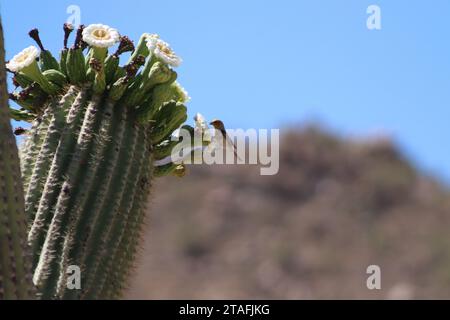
(141, 48)
(159, 73)
(76, 66)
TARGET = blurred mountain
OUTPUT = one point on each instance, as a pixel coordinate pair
(336, 207)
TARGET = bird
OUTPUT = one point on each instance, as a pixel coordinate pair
(227, 142)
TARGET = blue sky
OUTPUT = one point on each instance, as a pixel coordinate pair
(264, 64)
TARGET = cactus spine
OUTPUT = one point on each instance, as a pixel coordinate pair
(15, 278)
(88, 160)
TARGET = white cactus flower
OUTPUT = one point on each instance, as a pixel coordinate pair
(181, 93)
(23, 59)
(161, 50)
(100, 36)
(150, 36)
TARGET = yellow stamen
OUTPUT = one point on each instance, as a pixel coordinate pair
(101, 34)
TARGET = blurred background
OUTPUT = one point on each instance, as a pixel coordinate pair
(364, 173)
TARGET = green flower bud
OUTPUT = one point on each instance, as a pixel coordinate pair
(118, 89)
(76, 66)
(141, 48)
(47, 61)
(159, 73)
(171, 116)
(111, 65)
(55, 77)
(20, 115)
(164, 170)
(22, 79)
(164, 149)
(99, 82)
(63, 61)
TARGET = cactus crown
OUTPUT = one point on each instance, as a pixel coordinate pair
(146, 85)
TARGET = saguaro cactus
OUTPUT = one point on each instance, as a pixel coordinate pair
(87, 162)
(15, 279)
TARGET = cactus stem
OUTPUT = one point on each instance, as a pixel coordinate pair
(88, 157)
(14, 267)
(100, 181)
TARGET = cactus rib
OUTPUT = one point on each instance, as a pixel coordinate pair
(96, 243)
(118, 225)
(30, 149)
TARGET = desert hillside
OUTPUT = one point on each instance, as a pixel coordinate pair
(335, 208)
